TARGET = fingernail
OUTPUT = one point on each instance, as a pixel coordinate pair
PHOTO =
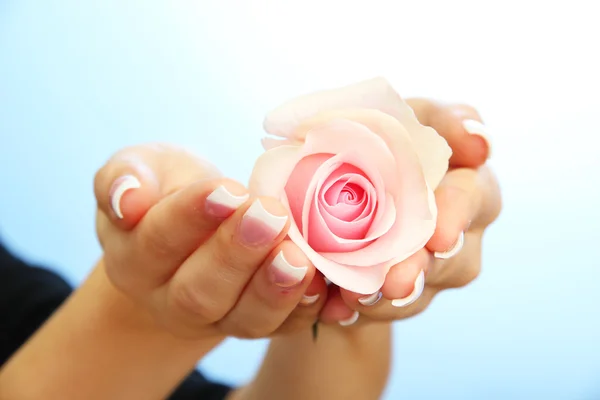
(371, 299)
(118, 189)
(411, 298)
(351, 320)
(259, 227)
(221, 203)
(477, 128)
(456, 247)
(308, 300)
(284, 274)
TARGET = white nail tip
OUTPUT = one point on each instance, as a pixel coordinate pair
(416, 293)
(126, 183)
(477, 128)
(454, 250)
(351, 320)
(225, 198)
(275, 222)
(282, 265)
(308, 300)
(370, 300)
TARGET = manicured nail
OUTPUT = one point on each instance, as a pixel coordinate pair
(118, 189)
(327, 281)
(477, 128)
(284, 274)
(308, 300)
(351, 320)
(456, 247)
(221, 203)
(371, 299)
(259, 227)
(411, 298)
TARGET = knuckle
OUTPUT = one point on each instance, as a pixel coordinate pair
(153, 238)
(255, 332)
(185, 298)
(243, 329)
(227, 255)
(468, 274)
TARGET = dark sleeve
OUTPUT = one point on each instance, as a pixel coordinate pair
(29, 295)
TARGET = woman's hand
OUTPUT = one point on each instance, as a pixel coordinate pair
(194, 250)
(468, 201)
(354, 362)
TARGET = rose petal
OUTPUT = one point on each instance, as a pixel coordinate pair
(347, 211)
(342, 219)
(408, 235)
(357, 279)
(273, 169)
(269, 143)
(375, 94)
(373, 157)
(397, 139)
(298, 189)
(314, 223)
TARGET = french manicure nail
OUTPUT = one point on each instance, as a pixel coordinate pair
(351, 320)
(284, 274)
(308, 300)
(118, 189)
(477, 128)
(222, 203)
(259, 227)
(370, 300)
(456, 247)
(414, 295)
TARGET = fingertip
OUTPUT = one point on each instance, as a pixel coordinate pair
(316, 292)
(289, 267)
(454, 204)
(263, 223)
(223, 197)
(400, 280)
(469, 151)
(336, 310)
(129, 198)
(462, 128)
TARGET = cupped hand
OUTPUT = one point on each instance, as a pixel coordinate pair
(197, 252)
(468, 201)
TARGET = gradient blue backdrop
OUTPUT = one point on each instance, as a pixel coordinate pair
(79, 80)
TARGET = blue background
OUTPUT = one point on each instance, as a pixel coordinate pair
(79, 80)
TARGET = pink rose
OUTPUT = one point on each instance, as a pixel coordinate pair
(357, 171)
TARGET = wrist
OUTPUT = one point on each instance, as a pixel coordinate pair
(100, 344)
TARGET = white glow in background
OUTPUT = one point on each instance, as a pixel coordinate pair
(80, 80)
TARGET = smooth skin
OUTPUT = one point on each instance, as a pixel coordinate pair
(175, 281)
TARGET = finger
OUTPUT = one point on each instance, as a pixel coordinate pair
(136, 178)
(460, 270)
(491, 199)
(125, 189)
(458, 199)
(461, 126)
(170, 232)
(307, 312)
(272, 294)
(403, 285)
(210, 281)
(386, 311)
(336, 310)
